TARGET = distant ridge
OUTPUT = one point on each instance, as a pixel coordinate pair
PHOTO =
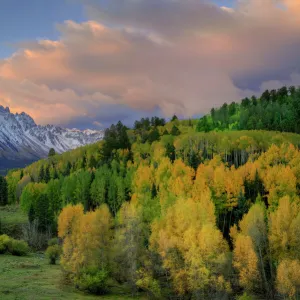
(23, 141)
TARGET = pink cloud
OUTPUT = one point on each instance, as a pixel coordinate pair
(181, 56)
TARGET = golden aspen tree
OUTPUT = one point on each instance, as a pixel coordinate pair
(246, 262)
(251, 248)
(284, 228)
(86, 239)
(288, 278)
(143, 179)
(192, 248)
(69, 231)
(279, 181)
(181, 181)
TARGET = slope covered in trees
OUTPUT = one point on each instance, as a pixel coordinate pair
(172, 212)
(273, 110)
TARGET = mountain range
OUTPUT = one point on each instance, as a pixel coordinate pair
(23, 141)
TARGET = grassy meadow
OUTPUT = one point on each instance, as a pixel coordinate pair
(32, 278)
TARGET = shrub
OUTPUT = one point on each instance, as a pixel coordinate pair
(18, 248)
(5, 242)
(93, 281)
(245, 296)
(37, 240)
(53, 242)
(53, 253)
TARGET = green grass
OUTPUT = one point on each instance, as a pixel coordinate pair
(12, 219)
(33, 278)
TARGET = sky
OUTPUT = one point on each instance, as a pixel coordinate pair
(90, 63)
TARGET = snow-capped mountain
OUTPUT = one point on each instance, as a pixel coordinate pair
(22, 139)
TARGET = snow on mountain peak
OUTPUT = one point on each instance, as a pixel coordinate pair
(22, 138)
(4, 110)
(25, 121)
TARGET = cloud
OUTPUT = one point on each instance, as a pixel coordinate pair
(165, 56)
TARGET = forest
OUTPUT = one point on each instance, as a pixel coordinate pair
(275, 110)
(185, 209)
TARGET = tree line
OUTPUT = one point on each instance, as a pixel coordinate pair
(276, 110)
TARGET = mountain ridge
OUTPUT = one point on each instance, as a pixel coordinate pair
(21, 139)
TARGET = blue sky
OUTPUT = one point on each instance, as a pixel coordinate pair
(34, 19)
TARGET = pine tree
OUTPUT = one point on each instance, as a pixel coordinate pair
(3, 191)
(31, 214)
(42, 214)
(47, 174)
(174, 118)
(68, 168)
(41, 176)
(170, 152)
(175, 131)
(51, 152)
(153, 191)
(153, 136)
(93, 162)
(55, 174)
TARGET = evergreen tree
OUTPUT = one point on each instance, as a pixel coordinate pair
(170, 152)
(41, 177)
(3, 191)
(68, 168)
(47, 174)
(42, 214)
(175, 131)
(51, 152)
(153, 136)
(194, 160)
(83, 162)
(31, 214)
(55, 174)
(115, 138)
(92, 162)
(153, 191)
(174, 118)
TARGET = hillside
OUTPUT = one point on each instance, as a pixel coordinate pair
(276, 110)
(173, 210)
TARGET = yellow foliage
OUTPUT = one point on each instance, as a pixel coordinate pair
(143, 178)
(68, 219)
(288, 278)
(181, 181)
(246, 262)
(250, 241)
(284, 229)
(279, 181)
(192, 248)
(86, 238)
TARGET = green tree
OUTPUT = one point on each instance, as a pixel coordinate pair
(170, 152)
(175, 131)
(47, 174)
(3, 191)
(41, 176)
(42, 213)
(153, 135)
(82, 191)
(51, 152)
